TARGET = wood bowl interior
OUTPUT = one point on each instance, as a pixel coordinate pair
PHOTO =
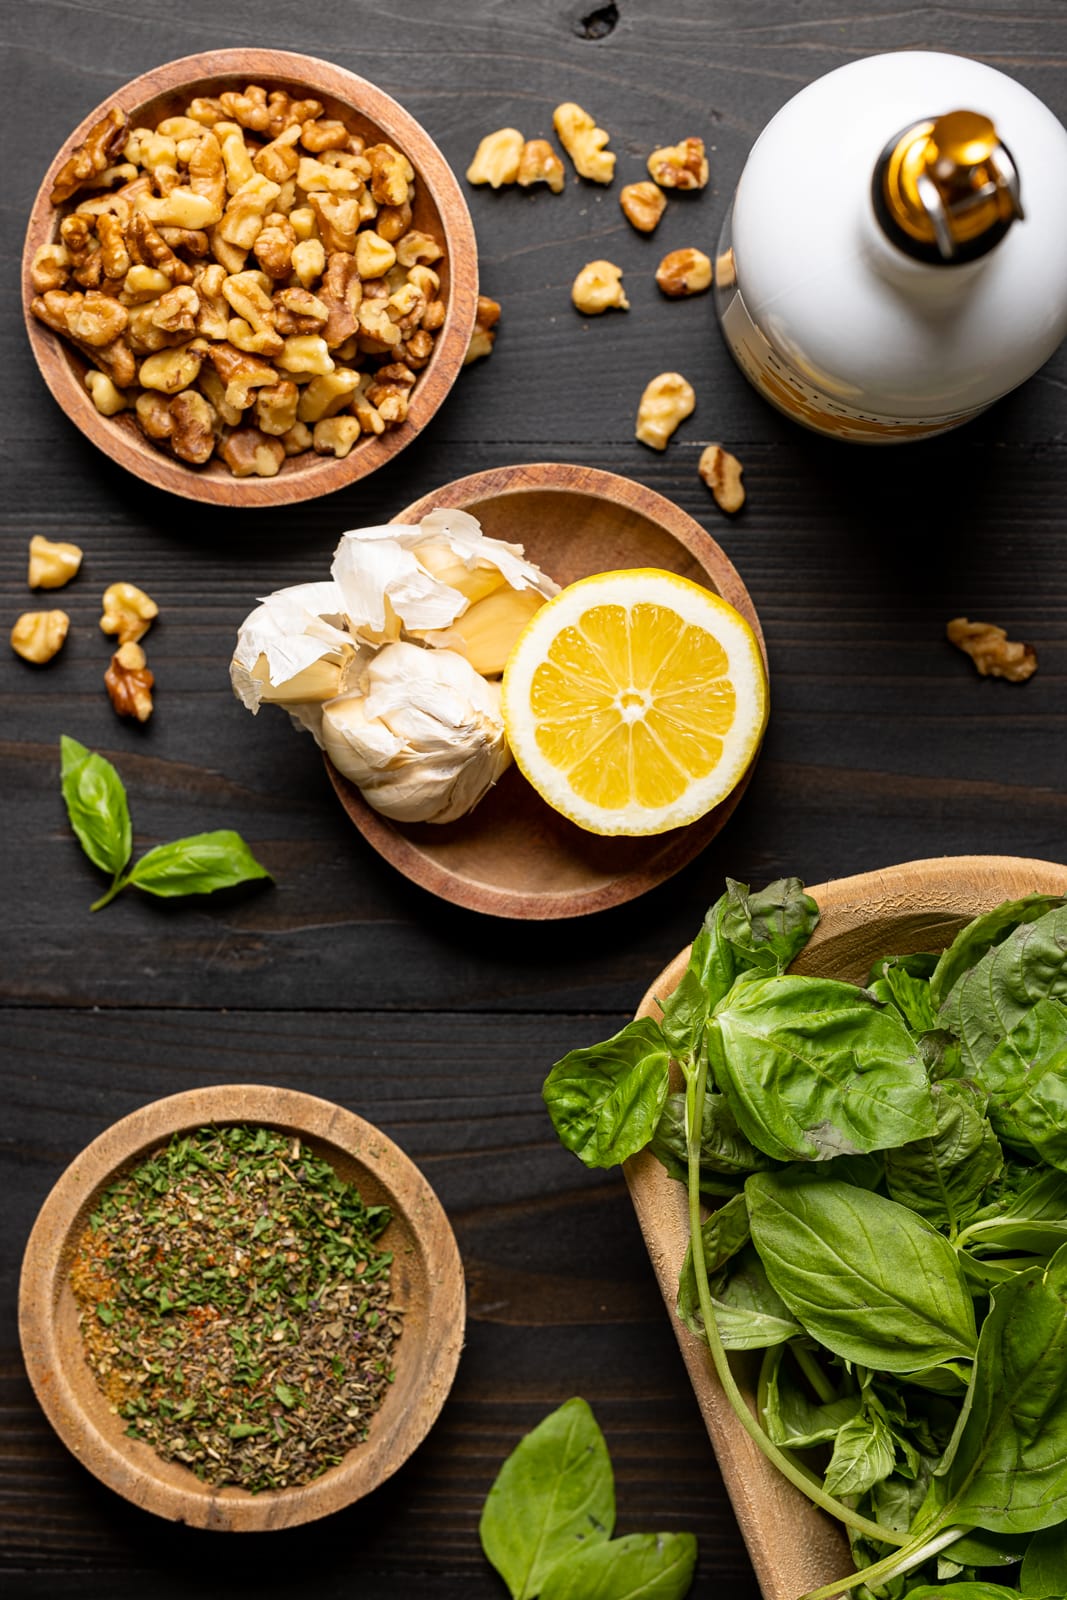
(427, 1280)
(439, 209)
(918, 906)
(513, 856)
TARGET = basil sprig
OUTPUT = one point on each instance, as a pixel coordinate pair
(890, 1169)
(99, 814)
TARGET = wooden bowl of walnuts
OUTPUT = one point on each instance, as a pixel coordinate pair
(250, 277)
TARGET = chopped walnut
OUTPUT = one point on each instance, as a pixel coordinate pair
(484, 336)
(38, 635)
(680, 166)
(643, 204)
(128, 612)
(722, 471)
(171, 370)
(993, 653)
(276, 407)
(598, 288)
(666, 401)
(129, 682)
(92, 157)
(584, 142)
(391, 175)
(326, 396)
(335, 436)
(539, 163)
(193, 427)
(374, 255)
(249, 453)
(684, 272)
(51, 267)
(297, 439)
(52, 565)
(299, 311)
(107, 399)
(497, 158)
(273, 248)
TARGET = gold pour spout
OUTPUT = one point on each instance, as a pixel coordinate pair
(947, 189)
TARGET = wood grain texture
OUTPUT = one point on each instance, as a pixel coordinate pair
(344, 979)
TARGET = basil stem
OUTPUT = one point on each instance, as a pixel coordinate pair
(891, 1566)
(696, 1080)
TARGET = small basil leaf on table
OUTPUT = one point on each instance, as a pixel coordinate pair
(870, 1279)
(1006, 1469)
(1044, 1569)
(863, 1454)
(944, 1176)
(768, 929)
(606, 1101)
(996, 993)
(749, 1314)
(196, 865)
(96, 805)
(1026, 1078)
(726, 1156)
(554, 1494)
(641, 1566)
(813, 1069)
(981, 935)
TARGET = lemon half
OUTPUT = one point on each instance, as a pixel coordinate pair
(634, 701)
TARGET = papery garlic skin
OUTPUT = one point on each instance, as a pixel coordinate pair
(293, 632)
(422, 734)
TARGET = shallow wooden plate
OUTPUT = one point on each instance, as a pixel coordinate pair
(918, 906)
(513, 856)
(439, 209)
(427, 1278)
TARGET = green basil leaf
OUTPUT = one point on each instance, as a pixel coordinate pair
(895, 1501)
(723, 1234)
(710, 972)
(905, 981)
(554, 1494)
(868, 1278)
(726, 1156)
(989, 1549)
(1045, 1563)
(198, 865)
(863, 1454)
(1041, 1197)
(1006, 1467)
(1026, 1078)
(813, 1069)
(768, 930)
(96, 805)
(791, 1418)
(982, 935)
(962, 1591)
(748, 1313)
(606, 1101)
(643, 1566)
(944, 1177)
(996, 993)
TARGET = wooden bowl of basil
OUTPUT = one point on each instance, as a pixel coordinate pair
(795, 1547)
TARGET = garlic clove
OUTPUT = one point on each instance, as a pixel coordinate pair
(320, 681)
(485, 634)
(285, 636)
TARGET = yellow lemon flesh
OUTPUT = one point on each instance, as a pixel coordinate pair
(635, 701)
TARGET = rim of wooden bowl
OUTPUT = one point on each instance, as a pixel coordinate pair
(308, 476)
(794, 1546)
(425, 1251)
(411, 849)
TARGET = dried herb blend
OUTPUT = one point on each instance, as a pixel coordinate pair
(235, 1308)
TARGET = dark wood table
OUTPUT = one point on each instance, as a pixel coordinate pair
(345, 980)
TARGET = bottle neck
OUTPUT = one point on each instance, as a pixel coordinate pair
(945, 191)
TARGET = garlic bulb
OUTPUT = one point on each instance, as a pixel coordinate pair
(421, 735)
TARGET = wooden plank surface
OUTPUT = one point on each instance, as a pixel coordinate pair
(343, 979)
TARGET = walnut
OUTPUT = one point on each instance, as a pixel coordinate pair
(369, 420)
(193, 421)
(92, 318)
(249, 453)
(434, 317)
(335, 436)
(214, 313)
(680, 166)
(305, 353)
(152, 411)
(107, 399)
(128, 612)
(171, 370)
(285, 112)
(51, 267)
(539, 163)
(129, 682)
(496, 160)
(206, 111)
(213, 389)
(317, 175)
(299, 311)
(722, 473)
(52, 565)
(584, 142)
(176, 311)
(297, 439)
(113, 252)
(279, 160)
(117, 360)
(246, 294)
(598, 288)
(484, 336)
(148, 248)
(390, 392)
(308, 260)
(337, 220)
(240, 372)
(416, 248)
(326, 396)
(249, 109)
(417, 349)
(993, 653)
(276, 407)
(392, 175)
(374, 255)
(207, 177)
(684, 272)
(38, 635)
(392, 222)
(378, 333)
(92, 157)
(273, 248)
(643, 204)
(192, 240)
(325, 134)
(142, 284)
(667, 400)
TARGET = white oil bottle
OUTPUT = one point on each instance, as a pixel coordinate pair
(895, 258)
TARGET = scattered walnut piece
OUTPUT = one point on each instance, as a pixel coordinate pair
(725, 270)
(680, 166)
(643, 204)
(52, 565)
(496, 160)
(128, 612)
(484, 336)
(993, 653)
(584, 142)
(667, 400)
(722, 473)
(38, 635)
(129, 682)
(598, 288)
(539, 163)
(684, 272)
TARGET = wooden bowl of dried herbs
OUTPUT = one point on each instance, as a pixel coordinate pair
(242, 1307)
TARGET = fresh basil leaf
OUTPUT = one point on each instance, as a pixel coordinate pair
(1026, 1078)
(709, 974)
(979, 1549)
(972, 1590)
(996, 993)
(895, 1501)
(198, 865)
(813, 1069)
(726, 1157)
(982, 935)
(944, 1177)
(768, 929)
(723, 1234)
(96, 805)
(904, 982)
(1044, 1569)
(606, 1101)
(868, 1278)
(794, 1420)
(947, 1378)
(642, 1566)
(1041, 1197)
(940, 1053)
(749, 1315)
(554, 1494)
(1006, 1467)
(863, 1454)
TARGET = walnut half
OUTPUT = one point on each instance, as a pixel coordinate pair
(129, 682)
(993, 653)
